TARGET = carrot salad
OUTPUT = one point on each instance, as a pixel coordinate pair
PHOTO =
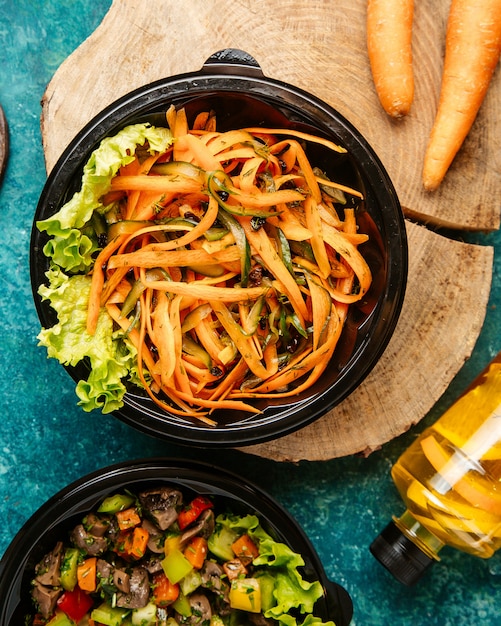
(226, 261)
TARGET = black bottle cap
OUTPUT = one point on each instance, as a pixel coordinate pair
(401, 557)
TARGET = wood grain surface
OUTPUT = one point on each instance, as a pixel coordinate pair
(320, 46)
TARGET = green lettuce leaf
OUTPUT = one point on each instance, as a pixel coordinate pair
(291, 591)
(72, 249)
(71, 246)
(68, 341)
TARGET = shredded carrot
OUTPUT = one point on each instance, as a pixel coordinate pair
(233, 272)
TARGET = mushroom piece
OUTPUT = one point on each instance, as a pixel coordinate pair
(48, 571)
(160, 505)
(92, 545)
(156, 538)
(201, 611)
(234, 569)
(211, 574)
(204, 527)
(45, 598)
(121, 580)
(153, 565)
(96, 526)
(139, 590)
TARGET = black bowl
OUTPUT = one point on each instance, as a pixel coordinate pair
(65, 509)
(234, 86)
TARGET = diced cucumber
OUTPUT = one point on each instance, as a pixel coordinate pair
(108, 615)
(220, 542)
(146, 616)
(69, 569)
(190, 582)
(116, 503)
(60, 619)
(182, 605)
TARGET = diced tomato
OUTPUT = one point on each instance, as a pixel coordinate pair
(192, 512)
(75, 604)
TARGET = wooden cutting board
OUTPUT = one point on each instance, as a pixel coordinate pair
(320, 46)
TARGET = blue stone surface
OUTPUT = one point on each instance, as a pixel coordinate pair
(46, 441)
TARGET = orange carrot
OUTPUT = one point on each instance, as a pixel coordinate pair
(389, 45)
(196, 551)
(134, 543)
(86, 574)
(245, 549)
(128, 519)
(472, 49)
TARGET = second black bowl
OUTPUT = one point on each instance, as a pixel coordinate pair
(53, 521)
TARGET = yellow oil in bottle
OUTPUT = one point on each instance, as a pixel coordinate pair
(450, 482)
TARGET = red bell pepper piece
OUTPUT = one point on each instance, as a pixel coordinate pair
(75, 604)
(192, 512)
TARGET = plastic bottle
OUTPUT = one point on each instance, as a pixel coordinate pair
(450, 482)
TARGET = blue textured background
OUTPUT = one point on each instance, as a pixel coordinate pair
(46, 441)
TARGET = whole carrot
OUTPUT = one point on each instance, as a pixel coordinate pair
(389, 45)
(472, 49)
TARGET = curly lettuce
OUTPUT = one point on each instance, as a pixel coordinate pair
(71, 248)
(72, 245)
(109, 356)
(281, 564)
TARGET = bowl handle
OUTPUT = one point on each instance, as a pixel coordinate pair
(339, 603)
(228, 60)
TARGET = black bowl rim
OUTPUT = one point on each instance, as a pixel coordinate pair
(224, 73)
(198, 476)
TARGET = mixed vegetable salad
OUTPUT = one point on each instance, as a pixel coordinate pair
(159, 558)
(208, 268)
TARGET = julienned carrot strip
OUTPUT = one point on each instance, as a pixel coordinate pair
(355, 261)
(472, 50)
(306, 170)
(314, 225)
(389, 45)
(314, 363)
(180, 407)
(198, 152)
(97, 282)
(335, 185)
(163, 337)
(243, 343)
(231, 380)
(263, 247)
(204, 291)
(156, 184)
(321, 304)
(169, 258)
(300, 135)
